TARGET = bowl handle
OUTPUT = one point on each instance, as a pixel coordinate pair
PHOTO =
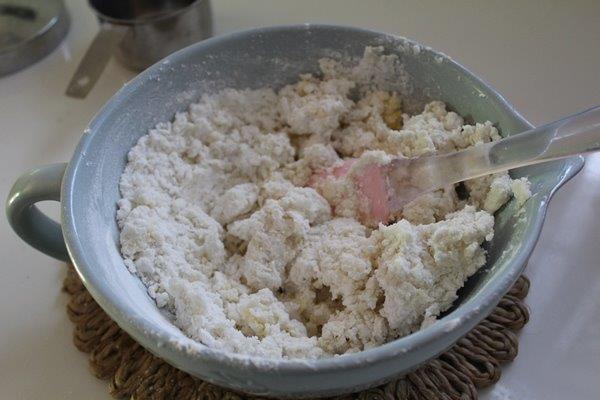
(32, 225)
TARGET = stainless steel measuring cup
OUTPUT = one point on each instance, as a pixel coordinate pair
(139, 33)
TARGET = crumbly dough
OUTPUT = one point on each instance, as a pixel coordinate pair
(222, 219)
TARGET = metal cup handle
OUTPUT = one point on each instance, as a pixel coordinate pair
(95, 59)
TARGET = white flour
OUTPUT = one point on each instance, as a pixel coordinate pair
(217, 219)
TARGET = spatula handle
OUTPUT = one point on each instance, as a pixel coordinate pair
(576, 134)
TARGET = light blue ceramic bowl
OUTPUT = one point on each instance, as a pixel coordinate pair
(257, 58)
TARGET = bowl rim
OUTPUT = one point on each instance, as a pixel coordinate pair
(157, 339)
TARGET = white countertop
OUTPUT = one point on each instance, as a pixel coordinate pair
(543, 56)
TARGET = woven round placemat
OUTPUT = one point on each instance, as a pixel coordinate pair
(133, 373)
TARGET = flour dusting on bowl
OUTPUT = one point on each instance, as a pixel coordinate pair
(221, 218)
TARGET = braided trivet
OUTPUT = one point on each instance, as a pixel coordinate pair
(472, 363)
